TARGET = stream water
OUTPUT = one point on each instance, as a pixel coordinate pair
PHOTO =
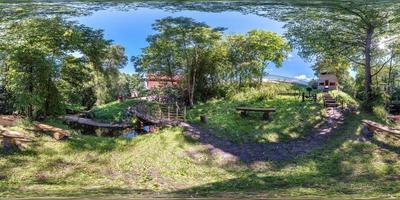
(126, 133)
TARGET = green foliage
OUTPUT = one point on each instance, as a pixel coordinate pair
(266, 91)
(250, 54)
(345, 99)
(182, 47)
(51, 63)
(114, 111)
(381, 113)
(329, 34)
(205, 60)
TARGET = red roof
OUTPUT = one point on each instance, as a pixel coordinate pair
(158, 77)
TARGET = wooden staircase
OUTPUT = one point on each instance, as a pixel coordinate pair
(329, 102)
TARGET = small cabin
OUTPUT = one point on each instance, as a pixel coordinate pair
(328, 82)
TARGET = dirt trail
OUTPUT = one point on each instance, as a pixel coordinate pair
(251, 152)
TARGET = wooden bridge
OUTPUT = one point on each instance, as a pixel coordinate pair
(158, 114)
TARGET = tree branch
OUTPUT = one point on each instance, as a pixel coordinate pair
(382, 66)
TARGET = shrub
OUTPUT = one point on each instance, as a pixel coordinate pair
(380, 112)
(265, 92)
(345, 99)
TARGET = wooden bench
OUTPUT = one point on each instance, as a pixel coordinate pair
(374, 126)
(266, 111)
(13, 139)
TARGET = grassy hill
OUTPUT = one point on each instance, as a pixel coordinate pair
(292, 119)
(169, 164)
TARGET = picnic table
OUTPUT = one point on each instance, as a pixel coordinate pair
(266, 111)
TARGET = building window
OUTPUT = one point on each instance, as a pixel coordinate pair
(332, 84)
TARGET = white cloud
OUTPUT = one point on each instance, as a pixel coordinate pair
(303, 78)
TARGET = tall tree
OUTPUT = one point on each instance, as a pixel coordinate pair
(251, 53)
(37, 52)
(180, 46)
(352, 30)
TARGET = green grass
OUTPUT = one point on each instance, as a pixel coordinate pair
(344, 99)
(113, 111)
(293, 118)
(169, 164)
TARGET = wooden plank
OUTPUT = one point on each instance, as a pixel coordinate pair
(256, 109)
(90, 122)
(377, 126)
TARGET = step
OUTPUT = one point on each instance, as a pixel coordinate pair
(331, 105)
(330, 101)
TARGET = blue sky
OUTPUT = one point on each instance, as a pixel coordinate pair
(131, 28)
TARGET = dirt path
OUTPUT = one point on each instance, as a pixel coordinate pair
(251, 152)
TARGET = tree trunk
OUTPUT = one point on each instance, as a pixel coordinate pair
(368, 76)
(389, 82)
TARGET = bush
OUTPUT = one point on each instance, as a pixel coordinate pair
(345, 99)
(265, 92)
(381, 113)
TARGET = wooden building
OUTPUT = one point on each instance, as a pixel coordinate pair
(154, 81)
(328, 82)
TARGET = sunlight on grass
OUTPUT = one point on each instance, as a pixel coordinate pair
(293, 119)
(170, 163)
(113, 111)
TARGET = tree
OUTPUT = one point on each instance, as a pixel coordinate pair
(182, 47)
(351, 30)
(40, 64)
(106, 78)
(251, 53)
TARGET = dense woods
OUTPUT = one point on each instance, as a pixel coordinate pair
(50, 64)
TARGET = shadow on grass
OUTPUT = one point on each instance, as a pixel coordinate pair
(342, 166)
(335, 170)
(384, 145)
(86, 193)
(91, 143)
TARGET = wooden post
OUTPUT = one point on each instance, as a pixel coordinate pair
(184, 113)
(204, 119)
(302, 97)
(168, 113)
(176, 113)
(266, 116)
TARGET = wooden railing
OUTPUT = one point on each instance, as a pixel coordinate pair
(161, 112)
(172, 112)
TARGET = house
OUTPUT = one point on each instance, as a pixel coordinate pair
(154, 81)
(328, 82)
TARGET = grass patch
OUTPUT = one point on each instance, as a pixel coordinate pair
(293, 118)
(167, 163)
(344, 99)
(114, 111)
